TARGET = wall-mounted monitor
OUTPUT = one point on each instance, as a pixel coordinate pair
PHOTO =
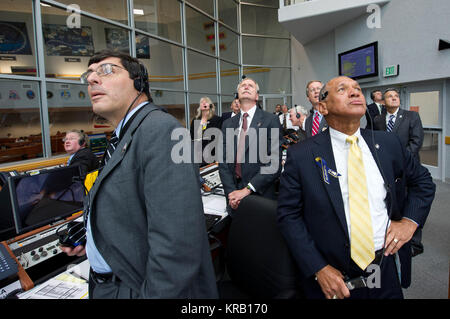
(359, 63)
(41, 199)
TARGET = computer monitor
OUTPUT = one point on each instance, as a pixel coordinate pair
(359, 63)
(97, 143)
(7, 228)
(45, 198)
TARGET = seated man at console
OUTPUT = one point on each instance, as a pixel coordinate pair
(75, 144)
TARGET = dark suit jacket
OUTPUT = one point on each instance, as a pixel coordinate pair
(263, 183)
(309, 121)
(86, 160)
(226, 116)
(311, 212)
(371, 112)
(147, 216)
(407, 126)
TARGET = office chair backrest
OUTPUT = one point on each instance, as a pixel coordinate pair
(258, 260)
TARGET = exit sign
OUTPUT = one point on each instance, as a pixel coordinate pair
(391, 70)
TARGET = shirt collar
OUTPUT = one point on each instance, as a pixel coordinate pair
(395, 113)
(340, 139)
(129, 115)
(250, 112)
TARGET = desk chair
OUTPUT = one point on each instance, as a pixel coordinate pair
(258, 260)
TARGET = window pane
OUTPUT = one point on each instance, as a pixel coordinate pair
(260, 20)
(429, 151)
(164, 62)
(202, 73)
(20, 124)
(271, 80)
(228, 44)
(205, 5)
(228, 12)
(112, 9)
(194, 103)
(16, 38)
(264, 51)
(69, 107)
(67, 51)
(160, 17)
(229, 77)
(199, 31)
(173, 102)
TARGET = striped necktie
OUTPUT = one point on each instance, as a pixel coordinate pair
(361, 240)
(315, 125)
(390, 125)
(241, 146)
(113, 141)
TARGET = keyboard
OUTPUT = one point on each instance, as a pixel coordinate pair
(211, 220)
(8, 266)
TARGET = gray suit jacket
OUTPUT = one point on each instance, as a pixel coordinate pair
(263, 183)
(323, 125)
(147, 215)
(407, 126)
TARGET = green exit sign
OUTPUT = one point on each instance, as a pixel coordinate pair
(391, 70)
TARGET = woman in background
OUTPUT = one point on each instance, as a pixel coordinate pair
(205, 118)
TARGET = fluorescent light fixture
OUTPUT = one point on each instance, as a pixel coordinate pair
(45, 5)
(138, 12)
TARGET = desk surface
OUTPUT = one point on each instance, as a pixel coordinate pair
(73, 282)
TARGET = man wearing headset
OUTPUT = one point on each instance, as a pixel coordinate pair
(350, 200)
(146, 234)
(75, 144)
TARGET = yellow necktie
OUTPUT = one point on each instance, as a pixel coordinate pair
(361, 241)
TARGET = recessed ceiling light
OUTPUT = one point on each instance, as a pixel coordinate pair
(138, 12)
(45, 5)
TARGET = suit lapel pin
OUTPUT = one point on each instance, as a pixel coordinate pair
(377, 146)
(124, 149)
(326, 170)
(259, 124)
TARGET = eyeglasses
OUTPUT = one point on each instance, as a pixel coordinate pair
(103, 70)
(69, 139)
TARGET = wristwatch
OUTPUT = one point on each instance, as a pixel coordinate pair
(249, 188)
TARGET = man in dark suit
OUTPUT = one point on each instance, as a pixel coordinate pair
(408, 127)
(332, 240)
(375, 108)
(75, 144)
(235, 107)
(406, 124)
(251, 149)
(315, 123)
(146, 234)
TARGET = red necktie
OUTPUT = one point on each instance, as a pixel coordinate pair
(241, 146)
(315, 126)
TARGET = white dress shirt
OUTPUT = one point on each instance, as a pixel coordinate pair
(375, 184)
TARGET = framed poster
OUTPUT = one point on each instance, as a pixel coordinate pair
(117, 39)
(63, 41)
(14, 38)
